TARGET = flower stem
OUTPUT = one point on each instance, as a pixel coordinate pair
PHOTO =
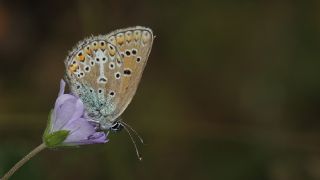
(23, 161)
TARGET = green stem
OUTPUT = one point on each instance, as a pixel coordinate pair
(23, 161)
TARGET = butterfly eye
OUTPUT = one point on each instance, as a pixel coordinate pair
(117, 126)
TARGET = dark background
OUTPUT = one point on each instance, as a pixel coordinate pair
(231, 90)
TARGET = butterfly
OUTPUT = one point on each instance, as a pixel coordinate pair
(104, 72)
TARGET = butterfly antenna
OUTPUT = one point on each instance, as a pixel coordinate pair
(134, 131)
(134, 143)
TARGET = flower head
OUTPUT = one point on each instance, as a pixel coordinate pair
(68, 125)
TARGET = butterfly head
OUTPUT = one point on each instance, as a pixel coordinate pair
(116, 126)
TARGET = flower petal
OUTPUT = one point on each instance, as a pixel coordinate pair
(63, 111)
(79, 110)
(98, 137)
(62, 87)
(61, 99)
(69, 116)
(82, 132)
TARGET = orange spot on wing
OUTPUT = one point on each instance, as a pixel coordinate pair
(81, 58)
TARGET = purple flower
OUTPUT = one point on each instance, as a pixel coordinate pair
(68, 125)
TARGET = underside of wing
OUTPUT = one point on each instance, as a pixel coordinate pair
(134, 45)
(104, 71)
(93, 72)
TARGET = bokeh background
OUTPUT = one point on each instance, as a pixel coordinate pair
(231, 90)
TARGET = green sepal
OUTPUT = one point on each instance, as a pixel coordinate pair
(55, 139)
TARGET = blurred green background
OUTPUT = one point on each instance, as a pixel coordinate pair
(231, 90)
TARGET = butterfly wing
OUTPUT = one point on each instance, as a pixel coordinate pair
(134, 45)
(104, 71)
(93, 72)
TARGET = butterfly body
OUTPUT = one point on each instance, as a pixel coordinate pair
(104, 72)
